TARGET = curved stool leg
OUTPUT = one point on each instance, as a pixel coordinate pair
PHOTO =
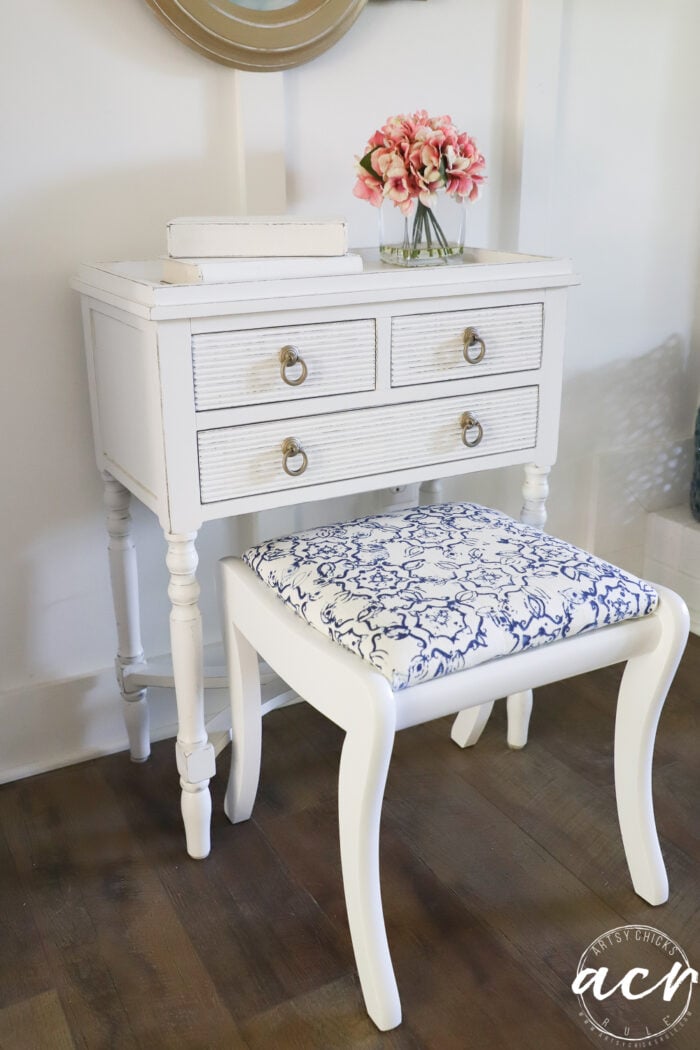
(246, 726)
(643, 690)
(469, 724)
(519, 710)
(364, 764)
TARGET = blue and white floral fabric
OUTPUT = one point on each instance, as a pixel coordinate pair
(423, 592)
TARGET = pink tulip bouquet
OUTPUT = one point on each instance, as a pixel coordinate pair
(407, 162)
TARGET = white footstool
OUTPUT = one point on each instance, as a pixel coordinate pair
(396, 619)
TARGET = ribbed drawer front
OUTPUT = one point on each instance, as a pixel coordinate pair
(243, 368)
(429, 348)
(246, 460)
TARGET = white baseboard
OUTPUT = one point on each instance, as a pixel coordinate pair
(58, 724)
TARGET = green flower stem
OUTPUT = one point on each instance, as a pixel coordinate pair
(423, 241)
(425, 227)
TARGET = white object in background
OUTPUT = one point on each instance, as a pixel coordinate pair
(175, 369)
(255, 236)
(213, 271)
(672, 555)
(351, 693)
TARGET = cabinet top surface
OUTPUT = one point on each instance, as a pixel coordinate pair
(137, 286)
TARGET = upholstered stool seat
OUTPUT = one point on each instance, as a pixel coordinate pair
(423, 592)
(398, 618)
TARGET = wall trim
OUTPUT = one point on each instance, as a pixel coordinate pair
(541, 28)
(260, 145)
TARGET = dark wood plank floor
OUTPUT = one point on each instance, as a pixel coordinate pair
(499, 868)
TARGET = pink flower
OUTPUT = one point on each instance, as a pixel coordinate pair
(369, 189)
(398, 191)
(464, 170)
(388, 163)
(412, 156)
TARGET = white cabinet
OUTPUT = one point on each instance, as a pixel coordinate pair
(211, 400)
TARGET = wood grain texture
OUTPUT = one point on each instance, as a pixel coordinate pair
(126, 973)
(38, 1022)
(498, 869)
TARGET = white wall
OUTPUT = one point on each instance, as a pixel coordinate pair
(110, 126)
(625, 205)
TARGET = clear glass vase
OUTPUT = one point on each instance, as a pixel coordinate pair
(427, 237)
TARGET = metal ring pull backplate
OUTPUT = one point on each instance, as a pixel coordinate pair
(289, 357)
(473, 342)
(469, 423)
(290, 450)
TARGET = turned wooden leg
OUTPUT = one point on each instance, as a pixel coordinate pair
(195, 755)
(125, 596)
(535, 492)
(645, 683)
(364, 763)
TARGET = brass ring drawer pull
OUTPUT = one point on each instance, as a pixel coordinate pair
(472, 339)
(468, 423)
(290, 450)
(289, 357)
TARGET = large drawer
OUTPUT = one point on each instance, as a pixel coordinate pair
(247, 460)
(429, 348)
(243, 368)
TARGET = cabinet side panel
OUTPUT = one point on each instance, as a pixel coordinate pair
(551, 376)
(127, 393)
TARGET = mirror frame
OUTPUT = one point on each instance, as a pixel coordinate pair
(258, 40)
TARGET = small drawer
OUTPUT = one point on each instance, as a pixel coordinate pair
(430, 348)
(232, 369)
(250, 459)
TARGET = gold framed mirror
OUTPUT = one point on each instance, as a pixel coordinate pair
(259, 34)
